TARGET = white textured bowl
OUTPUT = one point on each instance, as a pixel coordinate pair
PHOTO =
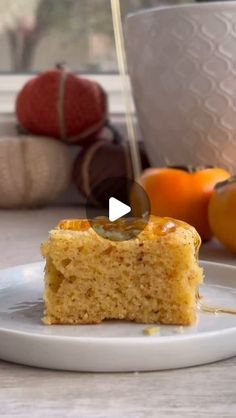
(182, 63)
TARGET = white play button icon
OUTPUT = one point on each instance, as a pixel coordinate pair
(121, 202)
(117, 209)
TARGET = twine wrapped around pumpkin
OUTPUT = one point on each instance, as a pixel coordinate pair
(33, 171)
(105, 159)
(60, 104)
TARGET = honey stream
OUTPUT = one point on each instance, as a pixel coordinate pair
(123, 70)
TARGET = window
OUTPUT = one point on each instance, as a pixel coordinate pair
(37, 34)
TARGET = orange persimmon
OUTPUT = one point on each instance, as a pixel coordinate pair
(222, 213)
(183, 193)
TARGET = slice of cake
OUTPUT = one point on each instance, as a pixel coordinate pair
(152, 278)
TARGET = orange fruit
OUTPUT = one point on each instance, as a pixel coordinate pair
(183, 193)
(222, 213)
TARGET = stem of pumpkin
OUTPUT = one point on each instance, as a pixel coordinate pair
(117, 137)
(224, 183)
(190, 168)
(62, 66)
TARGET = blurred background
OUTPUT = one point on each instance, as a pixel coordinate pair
(35, 34)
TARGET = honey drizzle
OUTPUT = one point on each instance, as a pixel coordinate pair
(204, 307)
(159, 226)
(74, 224)
(215, 309)
(122, 65)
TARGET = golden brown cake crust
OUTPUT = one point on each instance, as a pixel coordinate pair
(152, 278)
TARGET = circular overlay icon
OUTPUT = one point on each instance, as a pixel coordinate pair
(123, 208)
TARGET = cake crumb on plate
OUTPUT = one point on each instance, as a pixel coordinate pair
(179, 330)
(151, 331)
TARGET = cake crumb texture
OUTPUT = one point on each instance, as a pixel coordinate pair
(151, 279)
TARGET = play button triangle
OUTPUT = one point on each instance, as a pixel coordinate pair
(117, 209)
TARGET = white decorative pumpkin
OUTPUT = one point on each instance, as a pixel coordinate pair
(33, 171)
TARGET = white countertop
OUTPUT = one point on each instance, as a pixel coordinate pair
(204, 391)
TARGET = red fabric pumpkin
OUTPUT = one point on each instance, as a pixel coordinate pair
(60, 104)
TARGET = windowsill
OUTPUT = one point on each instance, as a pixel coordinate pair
(10, 85)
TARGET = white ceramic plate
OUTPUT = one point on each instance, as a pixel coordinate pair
(113, 345)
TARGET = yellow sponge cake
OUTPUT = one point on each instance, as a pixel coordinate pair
(152, 278)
